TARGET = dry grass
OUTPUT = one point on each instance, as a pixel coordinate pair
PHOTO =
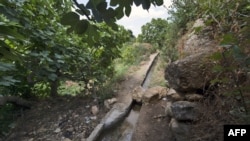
(157, 78)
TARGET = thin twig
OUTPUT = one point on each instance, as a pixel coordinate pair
(212, 15)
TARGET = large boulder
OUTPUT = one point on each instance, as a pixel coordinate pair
(191, 73)
(185, 111)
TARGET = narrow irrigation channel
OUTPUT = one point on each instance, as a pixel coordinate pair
(123, 131)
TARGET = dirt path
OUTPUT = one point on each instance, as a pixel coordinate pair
(134, 80)
(152, 124)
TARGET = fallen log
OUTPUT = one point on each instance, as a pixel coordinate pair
(18, 101)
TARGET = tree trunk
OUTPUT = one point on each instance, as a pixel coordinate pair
(53, 88)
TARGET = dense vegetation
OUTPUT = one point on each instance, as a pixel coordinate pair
(162, 34)
(229, 23)
(38, 52)
(43, 43)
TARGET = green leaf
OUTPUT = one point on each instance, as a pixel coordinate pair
(96, 2)
(8, 81)
(97, 15)
(109, 14)
(159, 2)
(216, 56)
(247, 61)
(52, 76)
(89, 5)
(214, 81)
(119, 12)
(70, 30)
(146, 4)
(93, 34)
(128, 10)
(112, 24)
(137, 2)
(237, 53)
(6, 66)
(10, 31)
(7, 53)
(248, 7)
(228, 39)
(92, 4)
(101, 7)
(83, 8)
(218, 68)
(198, 29)
(81, 26)
(114, 2)
(70, 18)
(5, 83)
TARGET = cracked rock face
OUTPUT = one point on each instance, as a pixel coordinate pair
(185, 111)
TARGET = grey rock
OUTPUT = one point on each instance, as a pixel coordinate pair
(66, 139)
(194, 42)
(57, 130)
(31, 139)
(180, 130)
(174, 96)
(168, 110)
(194, 97)
(191, 73)
(94, 110)
(137, 94)
(109, 102)
(154, 93)
(71, 129)
(185, 111)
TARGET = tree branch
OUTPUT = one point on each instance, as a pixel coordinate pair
(83, 11)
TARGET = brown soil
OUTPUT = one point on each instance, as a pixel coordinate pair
(152, 124)
(57, 119)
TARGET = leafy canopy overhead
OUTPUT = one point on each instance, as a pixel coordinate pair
(102, 11)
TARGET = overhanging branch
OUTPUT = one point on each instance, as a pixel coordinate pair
(83, 11)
